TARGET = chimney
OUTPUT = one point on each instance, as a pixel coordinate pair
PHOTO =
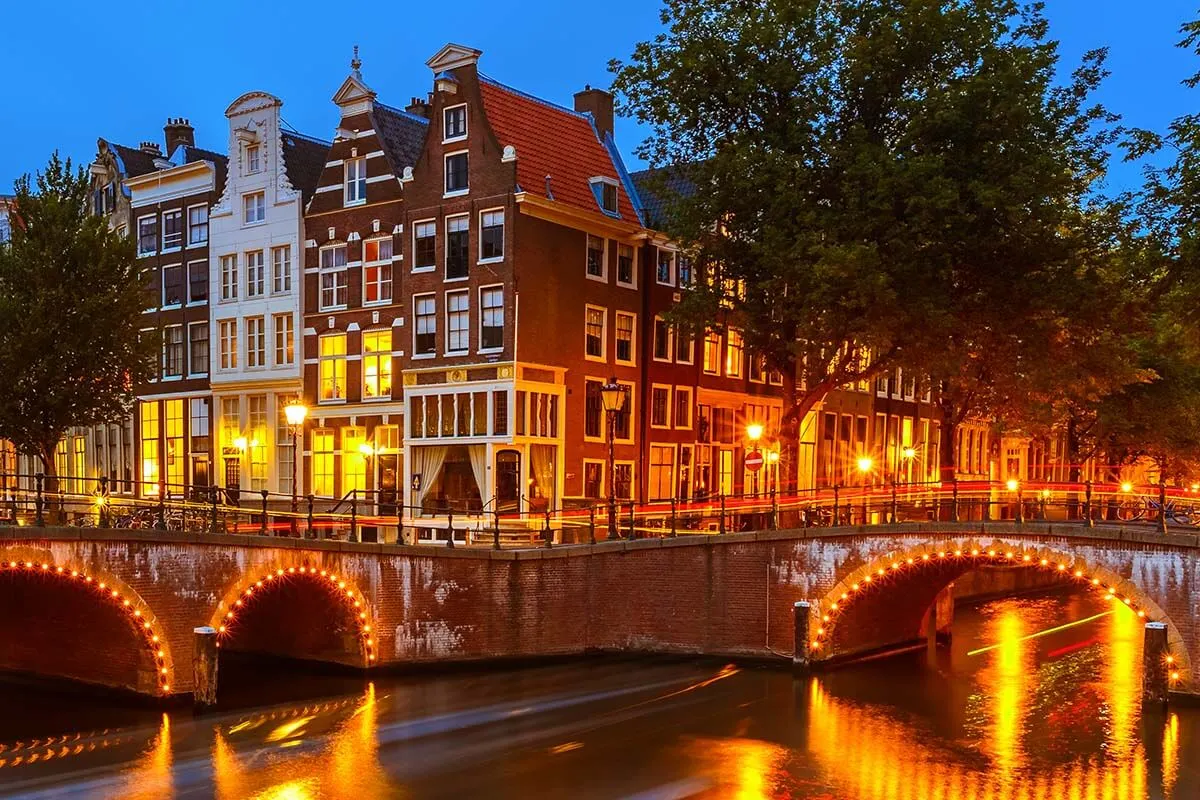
(599, 104)
(150, 147)
(178, 131)
(419, 107)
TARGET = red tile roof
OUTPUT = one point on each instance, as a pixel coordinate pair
(555, 141)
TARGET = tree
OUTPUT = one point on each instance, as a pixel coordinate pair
(71, 302)
(876, 183)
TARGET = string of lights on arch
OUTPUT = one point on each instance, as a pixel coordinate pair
(348, 594)
(145, 622)
(879, 571)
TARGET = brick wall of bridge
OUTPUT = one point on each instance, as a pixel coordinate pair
(729, 595)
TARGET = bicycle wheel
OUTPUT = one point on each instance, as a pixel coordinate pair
(1181, 514)
(1130, 510)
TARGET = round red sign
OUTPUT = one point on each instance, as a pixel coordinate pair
(754, 460)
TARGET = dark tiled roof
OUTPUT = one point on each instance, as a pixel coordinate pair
(304, 157)
(219, 161)
(134, 162)
(402, 135)
(554, 141)
(655, 187)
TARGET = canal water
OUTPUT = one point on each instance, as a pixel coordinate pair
(1055, 716)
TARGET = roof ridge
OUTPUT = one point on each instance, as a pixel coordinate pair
(313, 139)
(535, 98)
(401, 112)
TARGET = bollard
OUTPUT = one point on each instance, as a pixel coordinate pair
(954, 499)
(1020, 504)
(496, 528)
(204, 667)
(895, 510)
(353, 516)
(837, 511)
(162, 506)
(39, 504)
(263, 524)
(547, 534)
(310, 533)
(102, 519)
(631, 521)
(450, 530)
(1156, 671)
(721, 529)
(591, 524)
(1088, 517)
(212, 495)
(801, 646)
(673, 518)
(774, 508)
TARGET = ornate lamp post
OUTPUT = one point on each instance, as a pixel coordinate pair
(612, 395)
(296, 412)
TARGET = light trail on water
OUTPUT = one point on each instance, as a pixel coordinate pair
(1039, 634)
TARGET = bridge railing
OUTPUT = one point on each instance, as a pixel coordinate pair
(375, 516)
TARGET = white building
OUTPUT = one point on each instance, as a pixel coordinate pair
(256, 252)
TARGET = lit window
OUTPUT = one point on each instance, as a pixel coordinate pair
(285, 340)
(456, 173)
(424, 245)
(377, 364)
(491, 321)
(661, 484)
(458, 322)
(323, 461)
(712, 353)
(457, 238)
(255, 274)
(256, 413)
(281, 269)
(254, 208)
(455, 123)
(354, 462)
(596, 266)
(197, 224)
(356, 181)
(172, 230)
(256, 342)
(333, 277)
(332, 352)
(594, 322)
(377, 271)
(425, 329)
(491, 236)
(733, 355)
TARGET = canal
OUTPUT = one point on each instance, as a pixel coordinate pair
(998, 715)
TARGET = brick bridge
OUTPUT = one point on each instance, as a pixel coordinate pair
(119, 608)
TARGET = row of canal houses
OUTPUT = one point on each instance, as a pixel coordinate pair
(445, 287)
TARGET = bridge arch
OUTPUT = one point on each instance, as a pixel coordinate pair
(948, 559)
(108, 593)
(259, 587)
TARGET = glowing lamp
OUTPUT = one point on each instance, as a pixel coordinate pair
(612, 395)
(242, 443)
(1013, 484)
(909, 453)
(754, 431)
(366, 449)
(866, 464)
(1126, 486)
(296, 412)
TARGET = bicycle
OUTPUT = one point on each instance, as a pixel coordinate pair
(1137, 509)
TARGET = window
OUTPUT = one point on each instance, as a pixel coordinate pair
(285, 340)
(377, 364)
(684, 265)
(457, 237)
(377, 271)
(285, 455)
(666, 268)
(608, 197)
(625, 265)
(595, 321)
(458, 321)
(197, 282)
(150, 456)
(593, 404)
(332, 352)
(172, 230)
(664, 340)
(456, 173)
(173, 351)
(425, 327)
(683, 407)
(491, 318)
(253, 161)
(685, 348)
(662, 472)
(660, 406)
(254, 208)
(227, 333)
(333, 277)
(712, 353)
(356, 181)
(256, 413)
(491, 235)
(625, 327)
(593, 480)
(197, 225)
(198, 424)
(255, 274)
(229, 278)
(623, 480)
(281, 269)
(172, 285)
(596, 266)
(424, 245)
(256, 342)
(147, 235)
(623, 419)
(322, 460)
(733, 354)
(454, 123)
(757, 368)
(354, 463)
(198, 346)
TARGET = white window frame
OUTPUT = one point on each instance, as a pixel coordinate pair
(415, 226)
(379, 355)
(416, 323)
(344, 269)
(345, 359)
(670, 340)
(741, 371)
(683, 390)
(275, 271)
(670, 410)
(482, 312)
(203, 241)
(162, 230)
(253, 158)
(632, 476)
(232, 295)
(261, 350)
(191, 366)
(379, 262)
(631, 401)
(358, 183)
(246, 222)
(466, 124)
(603, 357)
(691, 351)
(602, 182)
(227, 359)
(157, 233)
(446, 248)
(162, 289)
(632, 362)
(290, 330)
(467, 329)
(674, 254)
(633, 273)
(183, 346)
(255, 259)
(603, 476)
(503, 236)
(603, 276)
(446, 191)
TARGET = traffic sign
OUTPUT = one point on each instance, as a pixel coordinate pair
(754, 460)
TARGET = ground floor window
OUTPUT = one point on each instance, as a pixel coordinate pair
(662, 472)
(446, 479)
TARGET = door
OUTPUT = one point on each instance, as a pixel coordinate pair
(388, 468)
(200, 477)
(233, 480)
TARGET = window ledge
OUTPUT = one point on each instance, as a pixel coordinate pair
(495, 260)
(353, 203)
(456, 353)
(625, 285)
(456, 280)
(621, 363)
(171, 378)
(598, 278)
(489, 351)
(423, 356)
(323, 309)
(418, 270)
(597, 359)
(340, 401)
(456, 193)
(171, 307)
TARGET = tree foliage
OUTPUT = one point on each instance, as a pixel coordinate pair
(71, 304)
(898, 178)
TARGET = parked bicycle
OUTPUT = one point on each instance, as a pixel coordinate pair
(1137, 509)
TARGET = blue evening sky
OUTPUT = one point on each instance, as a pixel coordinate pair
(78, 69)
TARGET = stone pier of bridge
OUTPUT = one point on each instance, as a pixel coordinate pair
(122, 608)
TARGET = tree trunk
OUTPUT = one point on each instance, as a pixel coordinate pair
(1074, 466)
(53, 502)
(947, 457)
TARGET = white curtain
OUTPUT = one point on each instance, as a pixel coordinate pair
(478, 453)
(427, 462)
(541, 462)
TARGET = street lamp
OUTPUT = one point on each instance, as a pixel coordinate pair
(295, 412)
(612, 396)
(754, 432)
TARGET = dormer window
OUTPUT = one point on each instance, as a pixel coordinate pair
(605, 190)
(454, 123)
(253, 160)
(356, 181)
